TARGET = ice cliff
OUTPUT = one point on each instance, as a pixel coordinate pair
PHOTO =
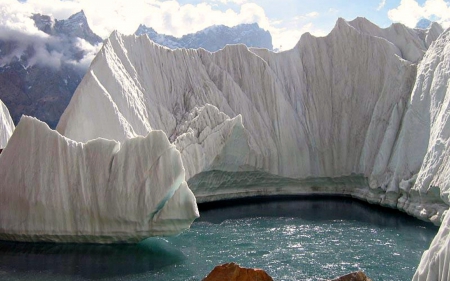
(55, 189)
(6, 125)
(362, 111)
(330, 108)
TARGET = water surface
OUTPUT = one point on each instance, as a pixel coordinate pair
(301, 238)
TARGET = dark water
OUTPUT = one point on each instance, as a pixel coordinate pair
(302, 238)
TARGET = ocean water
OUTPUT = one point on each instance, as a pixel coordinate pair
(301, 238)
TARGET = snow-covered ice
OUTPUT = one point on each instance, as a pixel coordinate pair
(55, 189)
(6, 125)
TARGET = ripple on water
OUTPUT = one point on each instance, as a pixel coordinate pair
(288, 242)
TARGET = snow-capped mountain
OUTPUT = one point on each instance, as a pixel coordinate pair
(423, 23)
(38, 76)
(213, 38)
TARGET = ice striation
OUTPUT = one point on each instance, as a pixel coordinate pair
(362, 111)
(326, 109)
(101, 191)
(428, 114)
(6, 125)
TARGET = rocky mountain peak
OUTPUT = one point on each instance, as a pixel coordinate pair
(77, 26)
(213, 38)
(423, 23)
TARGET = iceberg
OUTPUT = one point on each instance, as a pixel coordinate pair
(55, 189)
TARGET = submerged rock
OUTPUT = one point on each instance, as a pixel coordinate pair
(355, 276)
(233, 272)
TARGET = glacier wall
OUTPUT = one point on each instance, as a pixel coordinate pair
(6, 125)
(55, 189)
(331, 107)
(362, 111)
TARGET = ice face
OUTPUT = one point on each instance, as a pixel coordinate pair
(55, 189)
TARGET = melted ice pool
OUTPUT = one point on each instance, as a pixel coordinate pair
(305, 238)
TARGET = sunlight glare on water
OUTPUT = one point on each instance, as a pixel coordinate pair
(295, 239)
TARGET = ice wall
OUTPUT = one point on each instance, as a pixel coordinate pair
(331, 107)
(55, 189)
(6, 125)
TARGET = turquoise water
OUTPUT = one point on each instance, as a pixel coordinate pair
(292, 239)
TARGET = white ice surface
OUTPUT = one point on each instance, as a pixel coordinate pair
(6, 125)
(55, 189)
(356, 112)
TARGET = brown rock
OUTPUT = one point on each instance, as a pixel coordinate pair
(355, 276)
(233, 272)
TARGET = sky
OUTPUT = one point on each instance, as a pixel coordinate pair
(286, 20)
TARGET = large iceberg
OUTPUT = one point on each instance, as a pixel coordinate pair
(55, 189)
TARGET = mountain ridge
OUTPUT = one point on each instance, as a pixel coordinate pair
(213, 38)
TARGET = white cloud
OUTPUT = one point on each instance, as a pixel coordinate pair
(169, 17)
(287, 38)
(17, 27)
(312, 15)
(381, 5)
(409, 12)
(238, 2)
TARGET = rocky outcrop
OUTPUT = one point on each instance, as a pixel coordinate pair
(233, 272)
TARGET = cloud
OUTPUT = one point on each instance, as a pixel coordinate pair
(312, 15)
(170, 17)
(18, 28)
(381, 5)
(238, 2)
(409, 12)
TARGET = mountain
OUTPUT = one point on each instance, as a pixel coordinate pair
(213, 38)
(77, 26)
(423, 23)
(40, 80)
(42, 86)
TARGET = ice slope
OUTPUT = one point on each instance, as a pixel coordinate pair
(322, 109)
(349, 113)
(412, 43)
(55, 189)
(333, 108)
(6, 125)
(428, 114)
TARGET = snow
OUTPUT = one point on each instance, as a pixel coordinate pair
(55, 189)
(6, 125)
